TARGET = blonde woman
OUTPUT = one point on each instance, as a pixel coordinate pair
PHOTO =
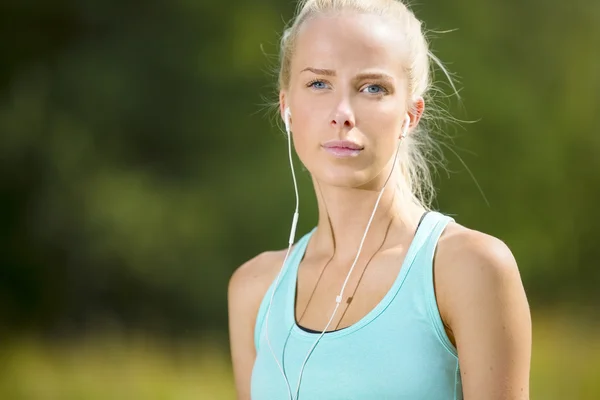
(384, 298)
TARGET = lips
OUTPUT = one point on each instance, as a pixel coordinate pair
(342, 148)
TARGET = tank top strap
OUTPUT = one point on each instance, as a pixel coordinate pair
(427, 233)
(435, 223)
(287, 270)
(423, 275)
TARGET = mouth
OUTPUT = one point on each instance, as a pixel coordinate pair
(342, 148)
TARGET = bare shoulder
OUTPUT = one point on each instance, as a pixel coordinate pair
(472, 269)
(252, 279)
(483, 303)
(468, 250)
(468, 259)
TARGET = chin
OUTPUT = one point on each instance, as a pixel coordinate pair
(341, 176)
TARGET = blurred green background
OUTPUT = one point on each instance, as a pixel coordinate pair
(140, 165)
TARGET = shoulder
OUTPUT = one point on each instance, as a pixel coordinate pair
(472, 266)
(483, 303)
(250, 281)
(247, 286)
(467, 250)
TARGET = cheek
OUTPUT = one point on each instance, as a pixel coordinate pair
(381, 128)
(378, 118)
(310, 110)
(309, 125)
(304, 135)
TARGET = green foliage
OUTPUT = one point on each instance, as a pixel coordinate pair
(139, 166)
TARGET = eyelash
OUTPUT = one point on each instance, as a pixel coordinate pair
(384, 90)
(309, 84)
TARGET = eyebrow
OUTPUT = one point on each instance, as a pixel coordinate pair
(367, 75)
(320, 71)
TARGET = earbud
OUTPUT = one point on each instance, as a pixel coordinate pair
(286, 119)
(405, 127)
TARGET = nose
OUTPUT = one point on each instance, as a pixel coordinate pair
(343, 118)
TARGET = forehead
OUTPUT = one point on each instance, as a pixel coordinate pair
(351, 42)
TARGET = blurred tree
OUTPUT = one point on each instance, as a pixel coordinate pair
(139, 164)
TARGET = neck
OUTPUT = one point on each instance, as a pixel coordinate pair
(345, 212)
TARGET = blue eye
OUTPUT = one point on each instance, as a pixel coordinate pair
(375, 89)
(317, 85)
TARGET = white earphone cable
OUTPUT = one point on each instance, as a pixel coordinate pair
(290, 243)
(339, 297)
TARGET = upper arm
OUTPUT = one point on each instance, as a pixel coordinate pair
(485, 305)
(247, 287)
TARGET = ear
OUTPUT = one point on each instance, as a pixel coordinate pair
(415, 111)
(282, 104)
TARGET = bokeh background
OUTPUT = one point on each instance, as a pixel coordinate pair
(140, 164)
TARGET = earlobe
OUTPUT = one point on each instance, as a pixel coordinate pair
(286, 114)
(283, 106)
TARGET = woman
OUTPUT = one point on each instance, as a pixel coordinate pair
(385, 298)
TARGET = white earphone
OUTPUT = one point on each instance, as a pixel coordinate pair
(405, 126)
(339, 297)
(286, 119)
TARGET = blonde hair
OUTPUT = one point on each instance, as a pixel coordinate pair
(415, 184)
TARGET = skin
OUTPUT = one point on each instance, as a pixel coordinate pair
(477, 283)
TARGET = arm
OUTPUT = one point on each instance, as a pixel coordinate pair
(247, 287)
(483, 301)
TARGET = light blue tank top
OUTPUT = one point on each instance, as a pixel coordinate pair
(399, 350)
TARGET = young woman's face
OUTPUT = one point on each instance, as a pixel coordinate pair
(348, 88)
